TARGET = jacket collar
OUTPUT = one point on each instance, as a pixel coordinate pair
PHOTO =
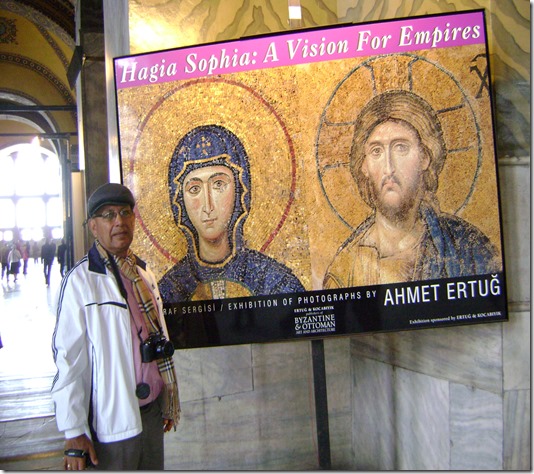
(96, 264)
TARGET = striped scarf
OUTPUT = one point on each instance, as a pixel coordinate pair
(143, 296)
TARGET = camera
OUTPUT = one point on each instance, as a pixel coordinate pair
(155, 347)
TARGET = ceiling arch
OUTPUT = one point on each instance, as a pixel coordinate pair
(37, 41)
(57, 16)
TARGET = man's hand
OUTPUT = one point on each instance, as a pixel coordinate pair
(72, 463)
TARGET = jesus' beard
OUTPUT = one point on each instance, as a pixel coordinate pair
(396, 213)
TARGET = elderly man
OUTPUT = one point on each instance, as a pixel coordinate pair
(397, 154)
(115, 391)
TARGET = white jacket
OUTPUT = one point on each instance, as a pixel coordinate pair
(94, 388)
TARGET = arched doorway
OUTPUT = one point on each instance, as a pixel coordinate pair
(30, 194)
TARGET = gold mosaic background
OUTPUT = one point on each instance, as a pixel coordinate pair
(275, 111)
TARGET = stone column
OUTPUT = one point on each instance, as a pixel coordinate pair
(93, 127)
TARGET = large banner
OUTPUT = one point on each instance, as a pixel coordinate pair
(318, 182)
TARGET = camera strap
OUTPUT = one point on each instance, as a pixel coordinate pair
(142, 390)
(145, 298)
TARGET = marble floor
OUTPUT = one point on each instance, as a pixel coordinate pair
(28, 436)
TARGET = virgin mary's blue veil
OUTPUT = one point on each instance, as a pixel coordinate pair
(210, 145)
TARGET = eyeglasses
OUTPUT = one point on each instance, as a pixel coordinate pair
(110, 216)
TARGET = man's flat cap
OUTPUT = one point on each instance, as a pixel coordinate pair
(110, 193)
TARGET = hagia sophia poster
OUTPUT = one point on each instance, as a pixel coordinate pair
(318, 182)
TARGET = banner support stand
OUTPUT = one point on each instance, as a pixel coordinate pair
(321, 403)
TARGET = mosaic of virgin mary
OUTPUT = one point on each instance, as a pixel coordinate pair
(210, 195)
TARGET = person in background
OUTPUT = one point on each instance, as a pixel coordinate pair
(25, 250)
(13, 260)
(115, 391)
(48, 252)
(62, 257)
(35, 252)
(4, 252)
